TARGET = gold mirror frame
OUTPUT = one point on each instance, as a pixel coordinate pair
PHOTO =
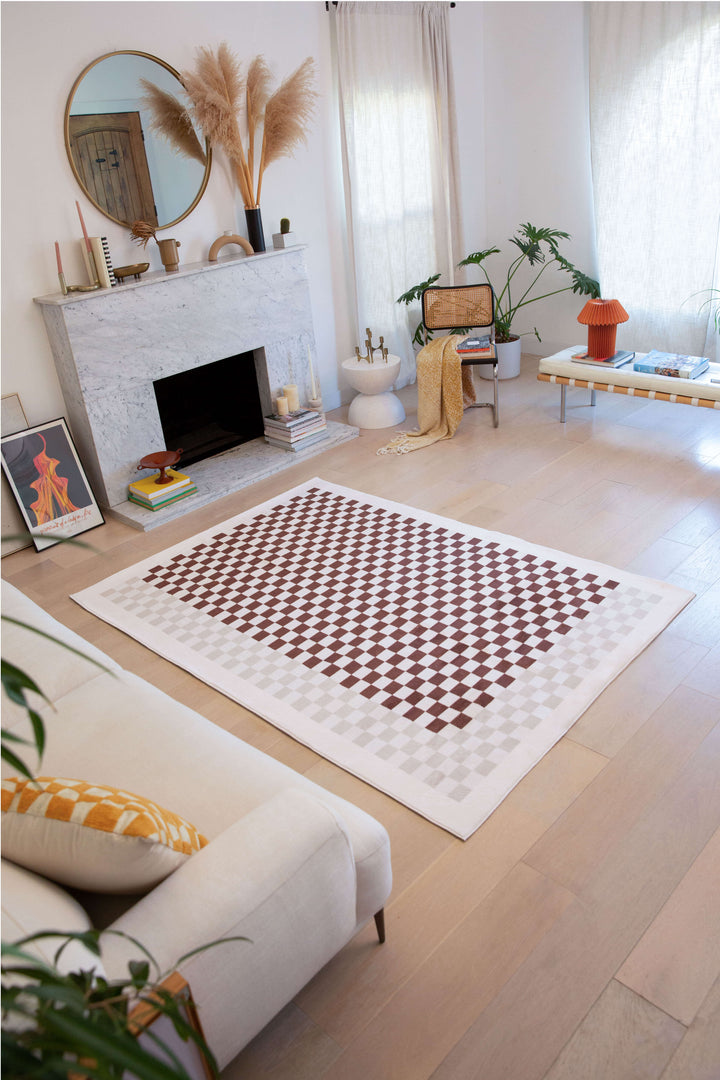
(73, 164)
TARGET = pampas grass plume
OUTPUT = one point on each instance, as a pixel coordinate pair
(287, 114)
(171, 120)
(216, 88)
(257, 92)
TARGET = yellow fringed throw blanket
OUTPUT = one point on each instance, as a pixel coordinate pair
(445, 390)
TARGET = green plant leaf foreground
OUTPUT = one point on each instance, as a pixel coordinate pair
(80, 1017)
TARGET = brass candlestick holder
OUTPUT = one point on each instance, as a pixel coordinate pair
(81, 288)
(371, 349)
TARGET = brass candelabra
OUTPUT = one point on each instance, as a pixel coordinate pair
(371, 349)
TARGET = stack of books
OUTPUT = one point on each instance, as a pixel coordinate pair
(296, 430)
(675, 365)
(476, 346)
(615, 361)
(103, 262)
(153, 496)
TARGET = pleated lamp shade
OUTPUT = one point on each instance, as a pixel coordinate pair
(602, 318)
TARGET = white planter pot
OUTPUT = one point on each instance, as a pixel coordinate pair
(283, 240)
(508, 360)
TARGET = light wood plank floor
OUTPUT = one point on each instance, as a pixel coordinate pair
(576, 935)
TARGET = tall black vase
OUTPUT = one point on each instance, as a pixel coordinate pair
(254, 228)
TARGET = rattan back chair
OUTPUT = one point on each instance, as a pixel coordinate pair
(464, 307)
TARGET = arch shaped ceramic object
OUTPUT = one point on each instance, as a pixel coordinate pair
(223, 240)
(375, 406)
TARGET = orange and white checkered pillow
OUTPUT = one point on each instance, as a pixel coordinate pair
(92, 836)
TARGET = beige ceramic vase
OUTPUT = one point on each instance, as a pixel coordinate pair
(168, 254)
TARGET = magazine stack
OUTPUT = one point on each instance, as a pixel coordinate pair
(296, 430)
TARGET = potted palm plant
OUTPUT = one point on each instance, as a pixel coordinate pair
(537, 248)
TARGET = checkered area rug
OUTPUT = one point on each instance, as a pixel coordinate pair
(435, 660)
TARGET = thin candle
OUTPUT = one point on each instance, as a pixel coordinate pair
(313, 386)
(82, 222)
(57, 256)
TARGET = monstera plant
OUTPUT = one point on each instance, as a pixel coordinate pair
(537, 248)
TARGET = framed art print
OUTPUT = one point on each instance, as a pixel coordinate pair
(49, 483)
(12, 527)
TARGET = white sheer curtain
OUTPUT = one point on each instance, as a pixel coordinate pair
(654, 113)
(397, 116)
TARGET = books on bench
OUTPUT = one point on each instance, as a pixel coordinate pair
(615, 361)
(675, 365)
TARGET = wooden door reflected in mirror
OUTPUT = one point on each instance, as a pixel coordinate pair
(110, 155)
(126, 168)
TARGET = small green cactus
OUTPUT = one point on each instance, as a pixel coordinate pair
(284, 225)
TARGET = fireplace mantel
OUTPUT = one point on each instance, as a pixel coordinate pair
(109, 346)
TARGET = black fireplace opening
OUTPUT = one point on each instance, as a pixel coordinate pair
(211, 408)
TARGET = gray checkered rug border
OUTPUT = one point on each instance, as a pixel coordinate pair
(436, 660)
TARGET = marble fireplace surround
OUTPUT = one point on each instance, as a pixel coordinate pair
(110, 346)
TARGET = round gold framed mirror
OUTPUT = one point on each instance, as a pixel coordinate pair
(131, 143)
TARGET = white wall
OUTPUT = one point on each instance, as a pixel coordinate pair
(521, 74)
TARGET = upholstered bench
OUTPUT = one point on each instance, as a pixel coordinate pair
(563, 370)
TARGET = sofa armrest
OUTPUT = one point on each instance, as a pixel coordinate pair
(284, 877)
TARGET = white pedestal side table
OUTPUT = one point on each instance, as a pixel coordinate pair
(375, 406)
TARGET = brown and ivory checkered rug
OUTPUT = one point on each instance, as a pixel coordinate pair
(435, 660)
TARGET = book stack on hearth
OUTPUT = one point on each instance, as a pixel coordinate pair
(153, 496)
(296, 430)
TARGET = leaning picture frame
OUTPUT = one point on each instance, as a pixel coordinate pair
(49, 483)
(156, 1032)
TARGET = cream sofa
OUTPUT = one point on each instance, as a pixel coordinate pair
(288, 865)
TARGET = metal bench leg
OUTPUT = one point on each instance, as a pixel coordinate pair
(592, 397)
(563, 390)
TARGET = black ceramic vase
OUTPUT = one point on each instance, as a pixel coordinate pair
(254, 228)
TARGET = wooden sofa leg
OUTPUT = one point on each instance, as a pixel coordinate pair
(380, 924)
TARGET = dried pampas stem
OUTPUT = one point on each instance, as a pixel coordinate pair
(171, 119)
(216, 89)
(257, 93)
(287, 114)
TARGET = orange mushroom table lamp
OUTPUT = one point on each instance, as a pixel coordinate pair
(602, 318)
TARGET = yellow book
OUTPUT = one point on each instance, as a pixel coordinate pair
(150, 489)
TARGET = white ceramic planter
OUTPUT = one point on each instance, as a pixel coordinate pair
(508, 360)
(283, 240)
